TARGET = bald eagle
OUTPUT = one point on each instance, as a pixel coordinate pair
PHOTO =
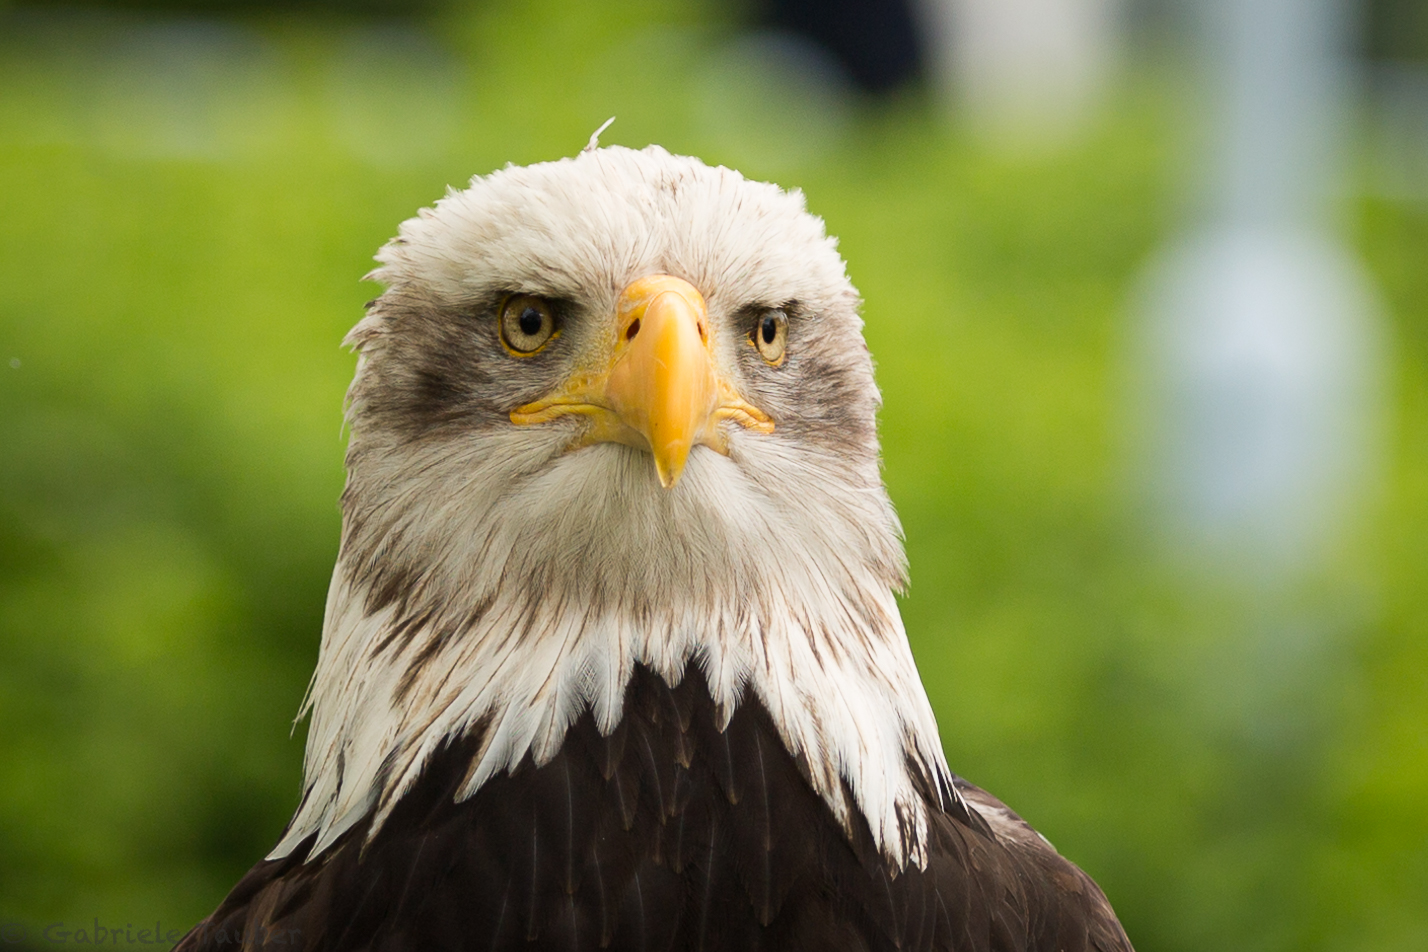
(611, 657)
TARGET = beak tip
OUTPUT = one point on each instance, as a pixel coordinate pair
(668, 476)
(669, 466)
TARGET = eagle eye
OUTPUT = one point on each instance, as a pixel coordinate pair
(527, 324)
(770, 335)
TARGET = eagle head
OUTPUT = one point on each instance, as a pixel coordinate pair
(614, 410)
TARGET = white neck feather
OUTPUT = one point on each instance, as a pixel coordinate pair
(778, 603)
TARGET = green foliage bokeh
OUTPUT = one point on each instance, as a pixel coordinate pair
(170, 460)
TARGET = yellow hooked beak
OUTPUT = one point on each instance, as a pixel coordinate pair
(659, 389)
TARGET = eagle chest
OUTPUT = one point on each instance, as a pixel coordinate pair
(669, 833)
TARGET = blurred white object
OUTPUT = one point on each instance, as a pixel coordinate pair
(1278, 76)
(1025, 73)
(1262, 381)
(1262, 362)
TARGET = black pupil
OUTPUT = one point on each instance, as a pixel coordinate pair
(769, 329)
(531, 321)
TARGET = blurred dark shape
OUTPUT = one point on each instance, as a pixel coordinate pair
(1396, 30)
(876, 41)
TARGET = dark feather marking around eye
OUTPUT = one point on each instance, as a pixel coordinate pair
(488, 308)
(435, 388)
(434, 395)
(751, 313)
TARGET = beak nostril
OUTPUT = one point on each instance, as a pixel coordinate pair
(633, 329)
(703, 334)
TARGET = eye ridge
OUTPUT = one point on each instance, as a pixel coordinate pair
(527, 324)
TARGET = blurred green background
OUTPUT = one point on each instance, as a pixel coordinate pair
(187, 204)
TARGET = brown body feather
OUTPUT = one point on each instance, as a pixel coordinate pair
(668, 834)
